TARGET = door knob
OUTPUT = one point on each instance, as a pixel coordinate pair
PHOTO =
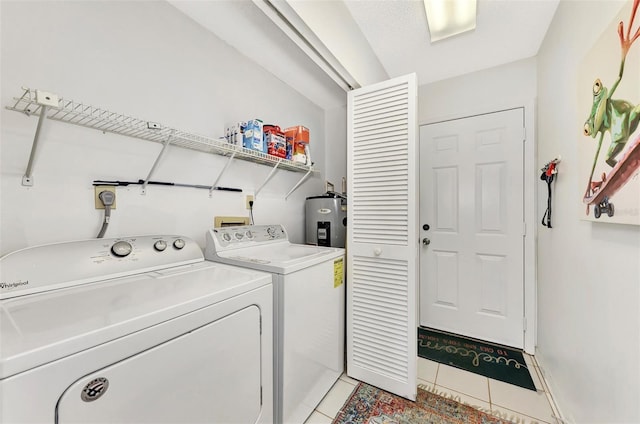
(426, 241)
(426, 227)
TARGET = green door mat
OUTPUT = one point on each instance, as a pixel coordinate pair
(487, 359)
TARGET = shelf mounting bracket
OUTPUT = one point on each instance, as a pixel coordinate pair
(155, 164)
(226, 166)
(27, 178)
(273, 171)
(298, 184)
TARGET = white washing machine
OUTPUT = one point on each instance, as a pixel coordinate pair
(133, 330)
(309, 296)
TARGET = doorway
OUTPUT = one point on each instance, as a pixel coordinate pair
(472, 226)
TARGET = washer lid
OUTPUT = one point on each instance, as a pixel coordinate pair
(279, 258)
(43, 327)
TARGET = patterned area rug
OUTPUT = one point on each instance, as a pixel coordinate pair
(370, 405)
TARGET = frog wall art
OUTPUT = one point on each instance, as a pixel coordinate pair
(613, 183)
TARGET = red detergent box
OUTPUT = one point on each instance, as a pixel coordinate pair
(275, 141)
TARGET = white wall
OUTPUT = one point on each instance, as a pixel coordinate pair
(588, 273)
(336, 146)
(147, 60)
(478, 92)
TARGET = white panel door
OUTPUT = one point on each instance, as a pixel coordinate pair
(471, 199)
(382, 237)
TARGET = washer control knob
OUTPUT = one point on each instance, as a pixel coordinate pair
(248, 234)
(226, 237)
(178, 244)
(238, 236)
(121, 249)
(160, 245)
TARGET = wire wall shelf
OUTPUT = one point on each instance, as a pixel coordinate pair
(50, 106)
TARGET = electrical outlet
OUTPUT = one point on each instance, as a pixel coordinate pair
(100, 189)
(248, 199)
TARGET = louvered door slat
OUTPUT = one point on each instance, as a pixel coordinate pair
(383, 140)
(382, 236)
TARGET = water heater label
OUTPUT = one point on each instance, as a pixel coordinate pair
(324, 211)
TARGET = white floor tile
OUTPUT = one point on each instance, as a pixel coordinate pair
(427, 370)
(471, 384)
(335, 399)
(514, 416)
(514, 398)
(462, 398)
(344, 377)
(318, 418)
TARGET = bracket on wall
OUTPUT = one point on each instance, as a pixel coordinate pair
(226, 166)
(42, 101)
(27, 178)
(143, 191)
(271, 174)
(298, 184)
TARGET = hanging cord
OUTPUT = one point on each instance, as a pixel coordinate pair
(107, 198)
(547, 213)
(251, 210)
(548, 174)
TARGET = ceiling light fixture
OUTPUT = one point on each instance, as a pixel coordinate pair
(450, 17)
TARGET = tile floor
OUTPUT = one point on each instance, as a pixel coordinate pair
(508, 401)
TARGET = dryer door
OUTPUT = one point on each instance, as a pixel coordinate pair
(211, 374)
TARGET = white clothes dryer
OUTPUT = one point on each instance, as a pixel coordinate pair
(309, 307)
(133, 330)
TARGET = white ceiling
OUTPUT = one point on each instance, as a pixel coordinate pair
(374, 39)
(506, 31)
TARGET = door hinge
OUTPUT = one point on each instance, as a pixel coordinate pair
(524, 324)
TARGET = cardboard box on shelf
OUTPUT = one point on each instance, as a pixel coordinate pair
(275, 141)
(252, 137)
(234, 133)
(298, 137)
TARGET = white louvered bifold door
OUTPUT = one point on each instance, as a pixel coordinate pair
(382, 246)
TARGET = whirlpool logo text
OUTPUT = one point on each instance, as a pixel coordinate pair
(9, 286)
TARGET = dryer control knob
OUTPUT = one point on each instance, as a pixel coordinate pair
(226, 237)
(238, 236)
(248, 234)
(160, 245)
(121, 249)
(178, 244)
